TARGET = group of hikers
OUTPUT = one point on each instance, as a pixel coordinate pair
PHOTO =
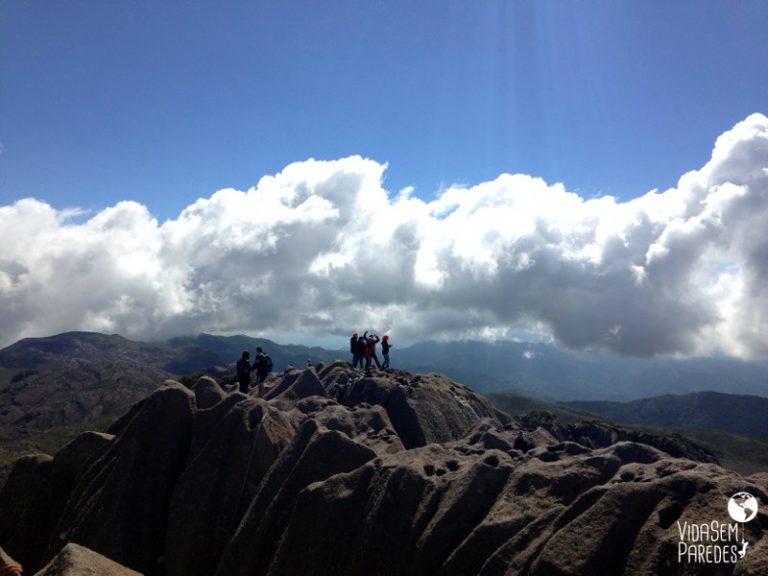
(363, 349)
(262, 365)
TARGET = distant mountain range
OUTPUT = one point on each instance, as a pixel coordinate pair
(550, 373)
(56, 380)
(76, 376)
(737, 414)
(66, 381)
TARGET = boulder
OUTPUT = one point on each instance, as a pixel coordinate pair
(120, 506)
(295, 387)
(399, 514)
(76, 560)
(24, 502)
(206, 420)
(37, 492)
(315, 454)
(364, 424)
(423, 408)
(207, 392)
(217, 486)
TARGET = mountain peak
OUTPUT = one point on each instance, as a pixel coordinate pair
(338, 471)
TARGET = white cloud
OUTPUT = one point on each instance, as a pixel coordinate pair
(322, 248)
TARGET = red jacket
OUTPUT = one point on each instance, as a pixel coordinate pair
(370, 348)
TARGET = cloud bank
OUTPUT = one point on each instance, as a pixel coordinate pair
(323, 248)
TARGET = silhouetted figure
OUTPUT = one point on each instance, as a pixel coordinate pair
(385, 346)
(356, 350)
(263, 366)
(244, 370)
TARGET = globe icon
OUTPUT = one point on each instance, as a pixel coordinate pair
(742, 507)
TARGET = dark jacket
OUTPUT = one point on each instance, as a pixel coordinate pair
(261, 364)
(244, 370)
(361, 344)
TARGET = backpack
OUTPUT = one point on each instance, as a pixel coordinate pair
(268, 363)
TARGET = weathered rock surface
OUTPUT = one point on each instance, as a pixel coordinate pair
(220, 481)
(298, 385)
(38, 490)
(423, 408)
(128, 489)
(335, 472)
(462, 508)
(24, 505)
(75, 560)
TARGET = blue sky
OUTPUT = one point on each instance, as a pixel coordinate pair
(155, 172)
(166, 102)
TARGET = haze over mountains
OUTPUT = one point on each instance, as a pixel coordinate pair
(551, 373)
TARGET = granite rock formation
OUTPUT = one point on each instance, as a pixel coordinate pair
(75, 560)
(336, 472)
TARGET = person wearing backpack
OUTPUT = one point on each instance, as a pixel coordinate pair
(385, 346)
(263, 366)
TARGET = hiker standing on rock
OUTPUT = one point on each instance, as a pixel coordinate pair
(354, 348)
(244, 370)
(365, 349)
(362, 343)
(385, 346)
(263, 366)
(370, 350)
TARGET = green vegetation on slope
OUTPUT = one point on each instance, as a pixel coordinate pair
(740, 453)
(516, 405)
(15, 443)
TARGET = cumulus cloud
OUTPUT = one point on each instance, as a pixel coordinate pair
(322, 248)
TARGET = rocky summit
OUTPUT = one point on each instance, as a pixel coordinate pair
(336, 472)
